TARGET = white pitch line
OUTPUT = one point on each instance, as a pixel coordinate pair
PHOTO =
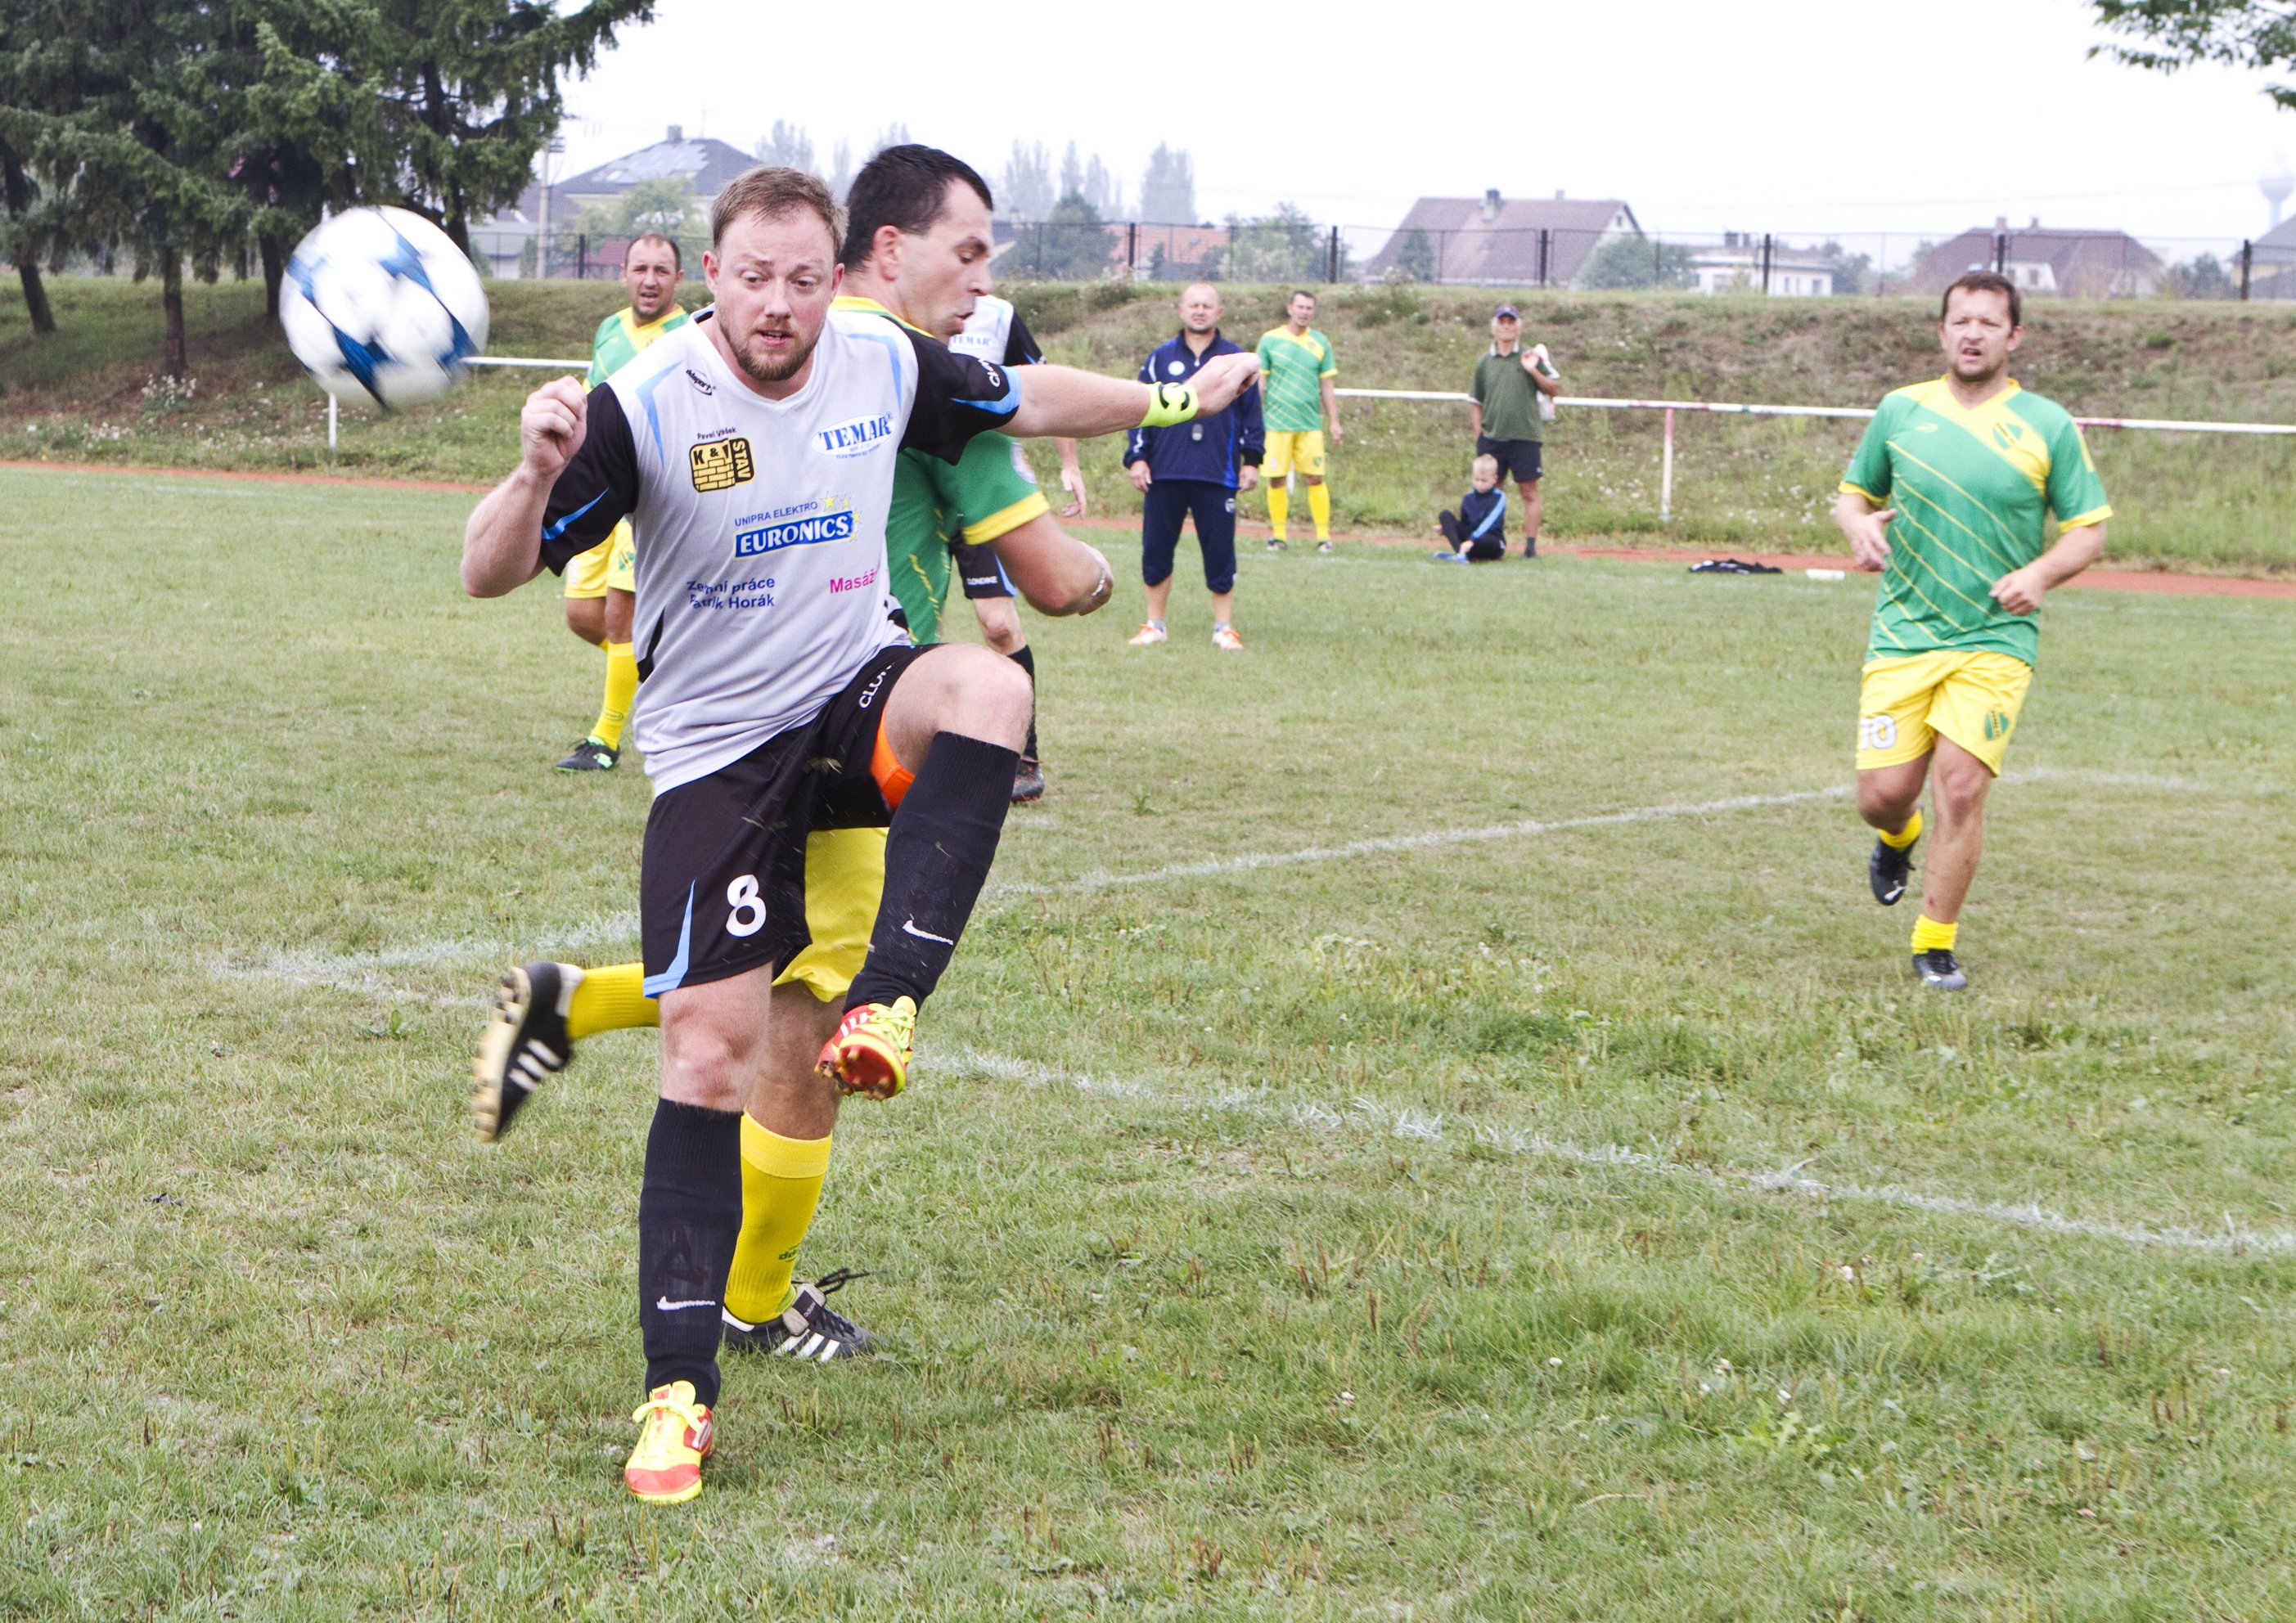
(363, 972)
(1430, 840)
(1371, 1115)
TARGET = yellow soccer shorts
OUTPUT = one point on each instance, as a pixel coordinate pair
(844, 876)
(1972, 695)
(612, 562)
(1291, 451)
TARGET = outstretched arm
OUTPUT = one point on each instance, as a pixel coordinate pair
(501, 545)
(1054, 572)
(1063, 401)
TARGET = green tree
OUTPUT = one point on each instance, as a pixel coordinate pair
(1414, 261)
(1639, 262)
(665, 204)
(1285, 246)
(2173, 34)
(2203, 277)
(1071, 245)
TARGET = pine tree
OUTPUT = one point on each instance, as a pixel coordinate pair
(788, 146)
(1168, 191)
(1026, 186)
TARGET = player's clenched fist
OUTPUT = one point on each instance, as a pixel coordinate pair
(1221, 379)
(550, 428)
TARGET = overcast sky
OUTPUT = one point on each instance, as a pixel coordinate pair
(1810, 116)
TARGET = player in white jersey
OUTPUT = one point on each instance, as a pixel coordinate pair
(755, 450)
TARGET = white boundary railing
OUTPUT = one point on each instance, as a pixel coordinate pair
(1735, 409)
(1727, 409)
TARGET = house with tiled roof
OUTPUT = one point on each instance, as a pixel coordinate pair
(704, 163)
(1522, 242)
(2044, 261)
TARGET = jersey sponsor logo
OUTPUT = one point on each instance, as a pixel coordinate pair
(722, 465)
(852, 583)
(700, 382)
(798, 532)
(755, 592)
(858, 438)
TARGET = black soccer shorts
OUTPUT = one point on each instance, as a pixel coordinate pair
(722, 889)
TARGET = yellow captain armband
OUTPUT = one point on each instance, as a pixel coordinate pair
(1168, 403)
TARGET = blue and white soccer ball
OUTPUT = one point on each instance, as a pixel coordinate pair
(381, 302)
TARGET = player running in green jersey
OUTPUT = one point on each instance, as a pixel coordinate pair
(1948, 498)
(602, 584)
(1299, 396)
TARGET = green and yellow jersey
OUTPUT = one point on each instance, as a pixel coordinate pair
(1296, 365)
(620, 338)
(985, 493)
(1974, 491)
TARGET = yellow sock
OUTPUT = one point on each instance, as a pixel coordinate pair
(610, 999)
(1905, 836)
(1929, 936)
(1279, 506)
(781, 1185)
(1319, 503)
(621, 687)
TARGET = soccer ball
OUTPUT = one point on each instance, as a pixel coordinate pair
(381, 301)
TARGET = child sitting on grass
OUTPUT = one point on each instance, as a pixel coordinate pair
(1477, 532)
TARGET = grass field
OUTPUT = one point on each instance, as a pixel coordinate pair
(2190, 502)
(1531, 1191)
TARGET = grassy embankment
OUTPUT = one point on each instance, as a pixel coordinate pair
(2184, 501)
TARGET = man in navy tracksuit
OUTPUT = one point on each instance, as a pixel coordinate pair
(1194, 469)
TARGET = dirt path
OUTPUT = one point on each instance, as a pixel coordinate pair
(2102, 581)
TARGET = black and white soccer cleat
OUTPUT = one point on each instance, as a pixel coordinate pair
(1940, 971)
(525, 1041)
(1888, 869)
(808, 1328)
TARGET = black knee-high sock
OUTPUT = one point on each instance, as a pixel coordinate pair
(1025, 657)
(689, 1216)
(937, 857)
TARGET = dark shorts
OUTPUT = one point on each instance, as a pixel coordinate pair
(722, 889)
(1519, 457)
(976, 570)
(1168, 502)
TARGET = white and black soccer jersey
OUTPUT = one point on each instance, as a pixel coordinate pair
(994, 332)
(762, 576)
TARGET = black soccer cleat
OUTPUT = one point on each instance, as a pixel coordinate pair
(1939, 970)
(525, 1041)
(1028, 780)
(808, 1328)
(1888, 869)
(591, 754)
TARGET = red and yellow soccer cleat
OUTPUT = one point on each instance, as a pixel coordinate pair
(677, 1434)
(870, 1052)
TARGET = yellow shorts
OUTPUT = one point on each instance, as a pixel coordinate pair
(1971, 695)
(612, 562)
(1288, 450)
(844, 876)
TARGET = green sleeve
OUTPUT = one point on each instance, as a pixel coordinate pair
(1330, 364)
(2076, 494)
(1267, 361)
(1868, 471)
(597, 353)
(1481, 396)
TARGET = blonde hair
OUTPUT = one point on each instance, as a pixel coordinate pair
(1486, 464)
(770, 190)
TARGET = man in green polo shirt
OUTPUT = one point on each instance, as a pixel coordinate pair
(1949, 499)
(1508, 383)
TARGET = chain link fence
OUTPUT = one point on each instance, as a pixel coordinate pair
(2043, 262)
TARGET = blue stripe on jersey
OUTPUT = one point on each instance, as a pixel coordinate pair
(552, 532)
(653, 417)
(1006, 405)
(893, 346)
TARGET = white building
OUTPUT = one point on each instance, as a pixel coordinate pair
(1736, 267)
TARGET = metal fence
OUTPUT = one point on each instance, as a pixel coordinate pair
(2043, 262)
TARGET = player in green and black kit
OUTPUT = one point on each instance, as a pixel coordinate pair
(1949, 499)
(602, 584)
(1298, 395)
